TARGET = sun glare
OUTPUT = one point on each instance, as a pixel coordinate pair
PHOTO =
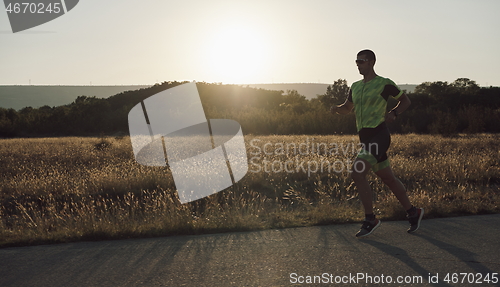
(237, 55)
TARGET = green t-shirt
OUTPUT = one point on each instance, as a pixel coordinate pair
(370, 100)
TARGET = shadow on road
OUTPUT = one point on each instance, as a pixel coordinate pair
(461, 254)
(402, 256)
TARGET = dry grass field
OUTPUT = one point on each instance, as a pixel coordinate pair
(68, 189)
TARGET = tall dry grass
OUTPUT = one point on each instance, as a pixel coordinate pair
(66, 189)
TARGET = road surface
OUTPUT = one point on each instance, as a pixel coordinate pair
(321, 256)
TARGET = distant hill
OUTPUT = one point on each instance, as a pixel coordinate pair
(18, 97)
(309, 90)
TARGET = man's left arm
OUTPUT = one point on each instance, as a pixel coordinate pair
(403, 104)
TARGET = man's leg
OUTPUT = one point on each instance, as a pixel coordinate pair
(360, 169)
(415, 214)
(395, 186)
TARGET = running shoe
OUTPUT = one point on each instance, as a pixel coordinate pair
(415, 220)
(368, 227)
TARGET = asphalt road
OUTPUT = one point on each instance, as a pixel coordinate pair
(468, 245)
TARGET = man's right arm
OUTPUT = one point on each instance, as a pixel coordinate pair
(344, 108)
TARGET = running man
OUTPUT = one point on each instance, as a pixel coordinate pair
(369, 97)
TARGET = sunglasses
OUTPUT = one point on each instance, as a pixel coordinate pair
(361, 61)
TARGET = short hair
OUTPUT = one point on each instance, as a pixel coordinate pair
(369, 54)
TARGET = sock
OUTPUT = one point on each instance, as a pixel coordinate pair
(412, 210)
(370, 217)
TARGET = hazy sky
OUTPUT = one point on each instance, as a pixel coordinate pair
(124, 42)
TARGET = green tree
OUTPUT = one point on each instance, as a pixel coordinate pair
(434, 89)
(335, 94)
(466, 86)
(295, 102)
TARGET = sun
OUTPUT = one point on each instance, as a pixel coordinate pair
(237, 55)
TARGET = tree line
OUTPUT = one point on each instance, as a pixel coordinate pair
(437, 108)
